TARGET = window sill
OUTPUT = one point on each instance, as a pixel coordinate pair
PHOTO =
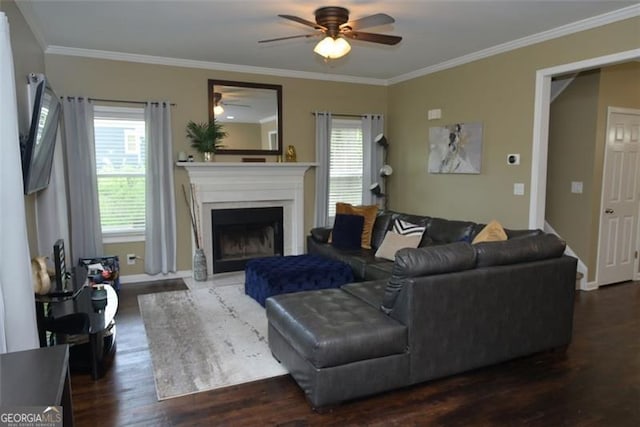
(122, 238)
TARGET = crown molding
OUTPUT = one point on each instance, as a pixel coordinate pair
(206, 65)
(574, 27)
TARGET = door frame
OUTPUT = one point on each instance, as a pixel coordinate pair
(539, 151)
(636, 274)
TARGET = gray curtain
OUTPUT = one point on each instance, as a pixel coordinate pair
(323, 144)
(372, 156)
(80, 151)
(160, 232)
(17, 308)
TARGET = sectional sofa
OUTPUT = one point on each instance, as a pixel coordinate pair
(443, 308)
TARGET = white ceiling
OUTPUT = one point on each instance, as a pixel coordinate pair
(227, 32)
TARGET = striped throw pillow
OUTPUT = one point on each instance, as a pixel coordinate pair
(408, 229)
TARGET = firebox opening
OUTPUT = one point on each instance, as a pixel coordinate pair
(242, 234)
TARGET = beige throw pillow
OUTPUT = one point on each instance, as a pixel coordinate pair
(393, 242)
(492, 232)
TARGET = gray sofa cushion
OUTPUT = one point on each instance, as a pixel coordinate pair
(378, 270)
(433, 260)
(380, 227)
(448, 231)
(370, 292)
(522, 249)
(424, 262)
(330, 327)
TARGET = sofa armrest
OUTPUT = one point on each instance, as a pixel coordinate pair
(321, 234)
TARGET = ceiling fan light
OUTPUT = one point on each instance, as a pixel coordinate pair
(217, 110)
(331, 48)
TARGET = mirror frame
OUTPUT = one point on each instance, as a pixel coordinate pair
(277, 88)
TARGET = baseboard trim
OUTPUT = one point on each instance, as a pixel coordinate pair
(589, 286)
(132, 279)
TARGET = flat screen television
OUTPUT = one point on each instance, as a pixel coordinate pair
(38, 148)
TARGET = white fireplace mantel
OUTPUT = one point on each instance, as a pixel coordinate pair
(221, 185)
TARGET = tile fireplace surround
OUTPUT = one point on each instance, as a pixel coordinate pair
(250, 185)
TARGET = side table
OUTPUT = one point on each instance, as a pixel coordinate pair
(100, 324)
(38, 377)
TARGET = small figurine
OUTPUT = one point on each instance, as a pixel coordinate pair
(291, 154)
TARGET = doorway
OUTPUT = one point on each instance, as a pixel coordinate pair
(541, 130)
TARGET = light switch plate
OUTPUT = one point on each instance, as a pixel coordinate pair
(518, 189)
(576, 187)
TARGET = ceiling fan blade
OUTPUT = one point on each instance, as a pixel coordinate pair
(370, 21)
(373, 37)
(303, 21)
(286, 38)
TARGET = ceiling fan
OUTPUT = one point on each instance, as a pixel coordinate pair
(218, 104)
(333, 22)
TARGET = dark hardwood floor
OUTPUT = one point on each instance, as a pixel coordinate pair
(595, 382)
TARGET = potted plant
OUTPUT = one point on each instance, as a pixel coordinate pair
(206, 137)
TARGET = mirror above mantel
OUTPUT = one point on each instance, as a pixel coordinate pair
(251, 114)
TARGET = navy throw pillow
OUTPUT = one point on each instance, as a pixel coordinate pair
(347, 231)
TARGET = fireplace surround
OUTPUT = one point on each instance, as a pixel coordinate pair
(227, 185)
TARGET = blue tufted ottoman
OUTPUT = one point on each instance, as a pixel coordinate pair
(266, 277)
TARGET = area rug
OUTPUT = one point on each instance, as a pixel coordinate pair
(204, 339)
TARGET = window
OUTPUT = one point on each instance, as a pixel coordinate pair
(345, 163)
(120, 168)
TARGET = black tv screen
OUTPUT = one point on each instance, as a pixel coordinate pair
(38, 149)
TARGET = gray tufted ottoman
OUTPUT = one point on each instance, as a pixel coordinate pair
(335, 346)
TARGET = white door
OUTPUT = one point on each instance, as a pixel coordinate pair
(619, 207)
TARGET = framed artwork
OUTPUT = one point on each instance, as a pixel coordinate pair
(455, 148)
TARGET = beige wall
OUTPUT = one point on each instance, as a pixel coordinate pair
(498, 91)
(188, 89)
(244, 136)
(28, 58)
(573, 119)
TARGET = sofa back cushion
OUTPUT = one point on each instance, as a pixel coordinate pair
(380, 227)
(521, 249)
(425, 261)
(441, 230)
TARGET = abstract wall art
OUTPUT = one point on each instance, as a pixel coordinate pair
(455, 148)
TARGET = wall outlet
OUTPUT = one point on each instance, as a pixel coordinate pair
(131, 259)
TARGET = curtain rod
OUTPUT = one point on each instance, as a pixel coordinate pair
(122, 101)
(360, 116)
(125, 101)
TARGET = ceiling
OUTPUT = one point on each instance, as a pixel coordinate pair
(227, 32)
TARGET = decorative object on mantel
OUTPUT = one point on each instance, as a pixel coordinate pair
(199, 258)
(291, 154)
(254, 160)
(206, 137)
